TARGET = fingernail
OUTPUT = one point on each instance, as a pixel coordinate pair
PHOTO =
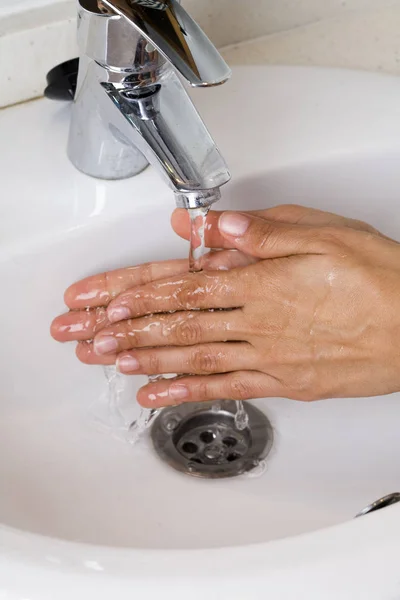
(118, 313)
(177, 391)
(234, 224)
(105, 345)
(127, 364)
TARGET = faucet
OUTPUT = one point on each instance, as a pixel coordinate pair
(131, 107)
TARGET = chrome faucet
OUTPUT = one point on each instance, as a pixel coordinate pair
(130, 106)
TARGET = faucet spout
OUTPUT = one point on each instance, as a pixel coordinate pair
(167, 129)
(130, 106)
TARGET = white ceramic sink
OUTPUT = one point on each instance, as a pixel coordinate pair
(85, 514)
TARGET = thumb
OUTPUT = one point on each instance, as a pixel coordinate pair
(270, 239)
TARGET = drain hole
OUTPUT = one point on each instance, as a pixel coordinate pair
(232, 457)
(189, 448)
(207, 437)
(202, 442)
(229, 442)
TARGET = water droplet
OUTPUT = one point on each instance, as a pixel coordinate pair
(257, 470)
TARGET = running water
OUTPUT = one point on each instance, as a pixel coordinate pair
(198, 218)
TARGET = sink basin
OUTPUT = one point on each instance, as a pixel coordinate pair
(83, 513)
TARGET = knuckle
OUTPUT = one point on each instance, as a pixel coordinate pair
(203, 391)
(240, 388)
(146, 275)
(126, 335)
(191, 294)
(99, 319)
(293, 212)
(332, 237)
(362, 226)
(188, 332)
(304, 385)
(265, 235)
(137, 302)
(154, 363)
(204, 360)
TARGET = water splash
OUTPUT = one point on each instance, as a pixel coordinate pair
(143, 422)
(115, 385)
(258, 469)
(145, 418)
(198, 227)
(241, 416)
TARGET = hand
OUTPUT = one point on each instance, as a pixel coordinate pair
(317, 316)
(88, 299)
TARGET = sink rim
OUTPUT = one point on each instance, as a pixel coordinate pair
(370, 538)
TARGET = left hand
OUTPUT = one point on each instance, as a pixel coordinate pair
(317, 316)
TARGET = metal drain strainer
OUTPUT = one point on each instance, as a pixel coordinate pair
(195, 439)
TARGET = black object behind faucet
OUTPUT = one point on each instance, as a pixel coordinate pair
(62, 80)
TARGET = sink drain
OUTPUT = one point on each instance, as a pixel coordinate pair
(194, 439)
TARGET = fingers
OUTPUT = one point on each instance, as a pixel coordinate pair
(192, 291)
(78, 325)
(241, 385)
(100, 289)
(286, 213)
(301, 215)
(200, 360)
(267, 239)
(179, 329)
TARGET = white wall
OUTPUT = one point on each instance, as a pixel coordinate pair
(229, 21)
(37, 34)
(14, 6)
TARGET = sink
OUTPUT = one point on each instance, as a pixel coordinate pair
(86, 514)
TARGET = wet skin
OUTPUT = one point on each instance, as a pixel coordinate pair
(311, 311)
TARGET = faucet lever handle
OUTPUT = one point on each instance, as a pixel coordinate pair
(171, 30)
